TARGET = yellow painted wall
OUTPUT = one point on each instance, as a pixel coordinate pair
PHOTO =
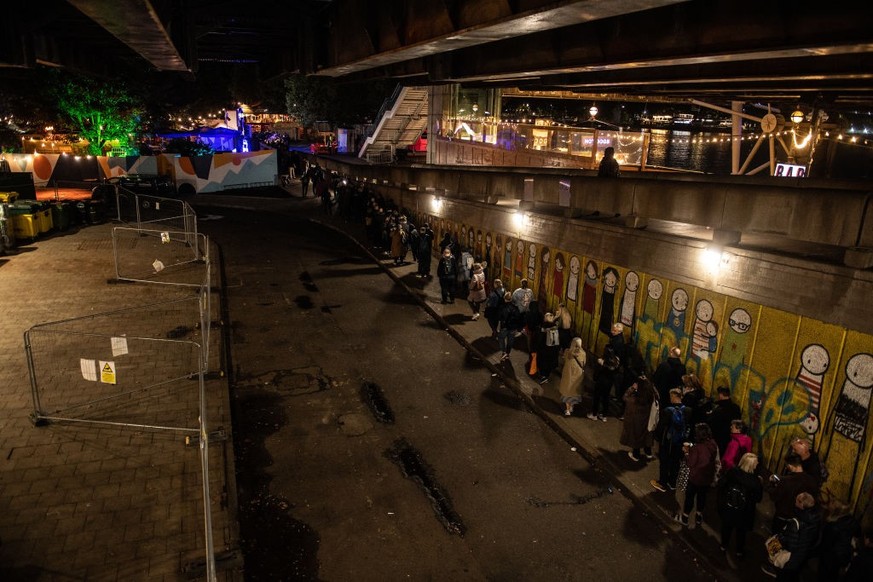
(791, 375)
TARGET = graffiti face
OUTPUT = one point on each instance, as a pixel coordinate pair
(520, 247)
(655, 289)
(740, 320)
(631, 281)
(679, 300)
(591, 270)
(533, 250)
(711, 329)
(810, 424)
(509, 246)
(815, 359)
(488, 239)
(704, 308)
(859, 370)
(575, 266)
(479, 236)
(546, 257)
(610, 278)
(559, 262)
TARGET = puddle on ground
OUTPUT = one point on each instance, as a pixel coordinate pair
(375, 400)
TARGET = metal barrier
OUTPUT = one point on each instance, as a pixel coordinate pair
(107, 368)
(155, 212)
(165, 257)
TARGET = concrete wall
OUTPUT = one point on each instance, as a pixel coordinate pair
(792, 373)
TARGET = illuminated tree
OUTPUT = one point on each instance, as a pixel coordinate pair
(100, 111)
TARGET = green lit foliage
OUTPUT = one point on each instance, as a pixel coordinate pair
(100, 111)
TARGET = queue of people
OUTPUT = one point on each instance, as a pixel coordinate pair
(702, 444)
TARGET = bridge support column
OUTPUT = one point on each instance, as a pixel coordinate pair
(858, 258)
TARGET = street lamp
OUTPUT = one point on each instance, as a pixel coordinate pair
(593, 111)
(797, 116)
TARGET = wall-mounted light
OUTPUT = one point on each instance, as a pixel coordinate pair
(712, 258)
(436, 203)
(521, 220)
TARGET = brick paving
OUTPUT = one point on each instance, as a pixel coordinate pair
(102, 502)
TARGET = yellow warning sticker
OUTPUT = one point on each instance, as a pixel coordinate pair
(107, 372)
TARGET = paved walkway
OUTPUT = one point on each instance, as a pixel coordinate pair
(84, 501)
(596, 440)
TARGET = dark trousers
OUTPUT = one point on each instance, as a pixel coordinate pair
(670, 456)
(727, 528)
(695, 493)
(447, 288)
(600, 403)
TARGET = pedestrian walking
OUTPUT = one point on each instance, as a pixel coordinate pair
(604, 378)
(425, 240)
(492, 306)
(549, 348)
(511, 325)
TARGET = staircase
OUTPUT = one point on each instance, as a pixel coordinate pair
(402, 119)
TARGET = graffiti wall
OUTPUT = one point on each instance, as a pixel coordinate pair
(791, 375)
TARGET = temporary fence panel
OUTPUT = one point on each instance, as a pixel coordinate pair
(155, 212)
(160, 256)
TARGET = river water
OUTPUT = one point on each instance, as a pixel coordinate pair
(698, 151)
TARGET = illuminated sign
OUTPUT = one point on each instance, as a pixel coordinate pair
(790, 171)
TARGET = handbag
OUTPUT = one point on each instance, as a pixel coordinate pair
(533, 364)
(682, 476)
(776, 554)
(654, 415)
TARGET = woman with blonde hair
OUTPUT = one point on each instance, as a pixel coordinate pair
(739, 494)
(572, 376)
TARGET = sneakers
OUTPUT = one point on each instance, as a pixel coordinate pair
(544, 380)
(568, 413)
(671, 486)
(504, 357)
(475, 316)
(601, 418)
(632, 456)
(681, 518)
(657, 485)
(649, 457)
(590, 416)
(769, 571)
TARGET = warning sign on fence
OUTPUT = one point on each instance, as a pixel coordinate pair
(107, 372)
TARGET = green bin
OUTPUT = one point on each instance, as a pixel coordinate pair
(62, 215)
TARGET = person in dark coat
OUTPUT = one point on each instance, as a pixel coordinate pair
(671, 432)
(739, 494)
(425, 239)
(835, 549)
(547, 356)
(668, 374)
(511, 325)
(492, 306)
(604, 378)
(861, 567)
(447, 271)
(635, 431)
(784, 490)
(609, 167)
(719, 418)
(799, 537)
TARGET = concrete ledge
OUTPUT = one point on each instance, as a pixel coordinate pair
(858, 258)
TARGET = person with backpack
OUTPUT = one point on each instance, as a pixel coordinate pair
(739, 494)
(739, 444)
(671, 432)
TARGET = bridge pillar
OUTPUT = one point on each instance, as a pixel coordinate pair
(858, 257)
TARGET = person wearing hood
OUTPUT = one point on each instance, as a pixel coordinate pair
(477, 289)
